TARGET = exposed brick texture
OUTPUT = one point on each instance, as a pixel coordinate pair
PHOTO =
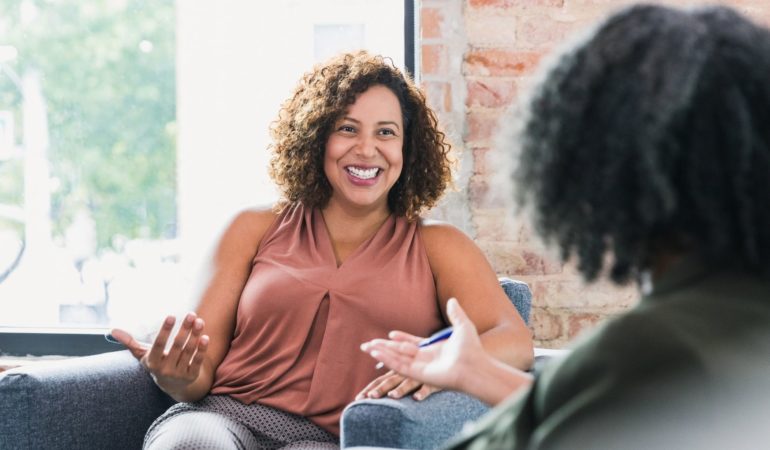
(500, 62)
(478, 57)
(547, 325)
(430, 23)
(490, 92)
(515, 3)
(434, 59)
(482, 126)
(491, 28)
(498, 224)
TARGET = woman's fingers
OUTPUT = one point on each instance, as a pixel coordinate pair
(195, 365)
(186, 356)
(179, 366)
(372, 385)
(404, 388)
(424, 392)
(391, 381)
(125, 338)
(386, 384)
(181, 338)
(156, 353)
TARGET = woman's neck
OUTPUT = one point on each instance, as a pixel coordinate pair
(352, 226)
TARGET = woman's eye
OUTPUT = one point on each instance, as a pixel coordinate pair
(347, 129)
(387, 132)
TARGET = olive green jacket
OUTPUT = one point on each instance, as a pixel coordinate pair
(688, 367)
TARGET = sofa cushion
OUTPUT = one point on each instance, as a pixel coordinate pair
(94, 402)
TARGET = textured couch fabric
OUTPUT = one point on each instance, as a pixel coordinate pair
(108, 401)
(104, 401)
(520, 295)
(408, 424)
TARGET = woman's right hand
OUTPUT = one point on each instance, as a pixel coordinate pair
(176, 369)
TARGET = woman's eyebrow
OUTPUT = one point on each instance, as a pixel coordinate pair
(389, 122)
(382, 122)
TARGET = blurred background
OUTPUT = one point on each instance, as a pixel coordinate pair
(131, 131)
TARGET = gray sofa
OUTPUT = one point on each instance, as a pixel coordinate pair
(108, 401)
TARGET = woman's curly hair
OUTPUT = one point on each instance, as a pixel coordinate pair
(322, 97)
(651, 136)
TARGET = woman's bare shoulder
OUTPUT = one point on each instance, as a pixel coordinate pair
(261, 216)
(250, 225)
(438, 233)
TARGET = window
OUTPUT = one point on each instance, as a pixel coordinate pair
(130, 132)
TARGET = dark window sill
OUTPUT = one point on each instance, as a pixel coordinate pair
(54, 341)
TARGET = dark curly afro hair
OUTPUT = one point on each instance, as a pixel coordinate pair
(321, 98)
(653, 136)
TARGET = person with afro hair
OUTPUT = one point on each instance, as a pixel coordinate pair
(644, 156)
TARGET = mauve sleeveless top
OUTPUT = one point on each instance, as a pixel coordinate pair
(301, 319)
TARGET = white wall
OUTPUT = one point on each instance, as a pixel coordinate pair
(237, 61)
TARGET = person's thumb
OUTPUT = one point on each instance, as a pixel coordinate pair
(129, 342)
(456, 314)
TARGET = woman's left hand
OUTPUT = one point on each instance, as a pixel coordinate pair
(396, 386)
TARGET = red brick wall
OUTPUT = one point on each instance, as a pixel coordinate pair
(477, 56)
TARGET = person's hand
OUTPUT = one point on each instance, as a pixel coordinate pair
(396, 386)
(442, 364)
(177, 368)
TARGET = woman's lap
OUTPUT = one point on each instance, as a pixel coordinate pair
(218, 421)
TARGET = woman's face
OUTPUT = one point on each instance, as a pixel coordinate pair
(364, 152)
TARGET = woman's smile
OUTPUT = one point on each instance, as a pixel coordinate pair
(363, 176)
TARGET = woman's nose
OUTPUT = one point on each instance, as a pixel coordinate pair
(367, 147)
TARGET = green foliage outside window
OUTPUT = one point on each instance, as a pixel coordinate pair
(107, 70)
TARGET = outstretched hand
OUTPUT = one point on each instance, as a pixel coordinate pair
(175, 369)
(441, 364)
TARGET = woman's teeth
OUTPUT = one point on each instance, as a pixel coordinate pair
(364, 174)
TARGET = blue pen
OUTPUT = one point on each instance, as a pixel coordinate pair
(436, 337)
(432, 339)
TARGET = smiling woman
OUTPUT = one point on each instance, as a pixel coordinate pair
(331, 243)
(291, 291)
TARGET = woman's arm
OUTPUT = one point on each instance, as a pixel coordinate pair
(227, 273)
(461, 271)
(186, 371)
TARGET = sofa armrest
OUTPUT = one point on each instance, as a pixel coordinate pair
(406, 423)
(519, 294)
(93, 402)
